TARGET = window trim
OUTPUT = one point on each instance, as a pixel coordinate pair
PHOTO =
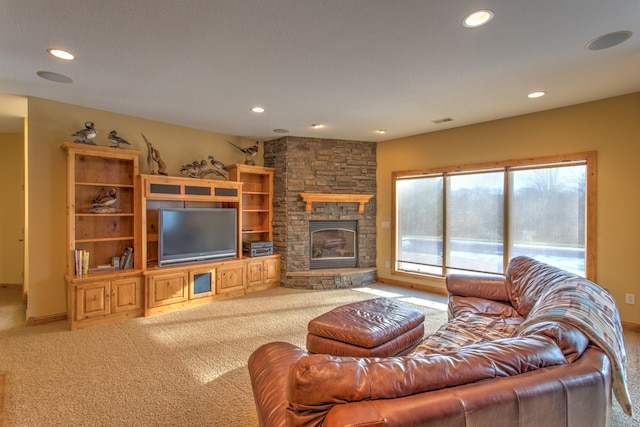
(588, 157)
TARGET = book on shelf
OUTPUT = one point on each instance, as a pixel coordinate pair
(104, 267)
(82, 262)
(126, 260)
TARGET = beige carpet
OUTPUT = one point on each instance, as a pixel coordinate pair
(180, 369)
(2, 392)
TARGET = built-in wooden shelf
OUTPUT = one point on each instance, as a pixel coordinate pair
(309, 198)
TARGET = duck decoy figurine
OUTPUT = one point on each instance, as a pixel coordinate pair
(218, 167)
(200, 169)
(194, 169)
(116, 141)
(249, 152)
(86, 135)
(103, 200)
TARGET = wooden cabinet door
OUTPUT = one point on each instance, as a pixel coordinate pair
(262, 271)
(272, 270)
(231, 278)
(92, 299)
(126, 294)
(164, 289)
(254, 273)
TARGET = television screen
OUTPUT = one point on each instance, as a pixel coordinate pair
(194, 235)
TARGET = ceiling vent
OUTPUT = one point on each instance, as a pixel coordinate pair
(445, 120)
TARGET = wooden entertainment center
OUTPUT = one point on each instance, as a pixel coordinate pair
(105, 295)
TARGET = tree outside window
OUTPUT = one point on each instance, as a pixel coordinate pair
(476, 219)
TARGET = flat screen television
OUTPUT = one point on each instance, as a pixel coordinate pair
(194, 235)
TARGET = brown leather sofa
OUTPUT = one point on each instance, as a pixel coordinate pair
(488, 366)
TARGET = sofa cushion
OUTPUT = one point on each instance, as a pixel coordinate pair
(527, 279)
(570, 339)
(459, 305)
(321, 380)
(469, 328)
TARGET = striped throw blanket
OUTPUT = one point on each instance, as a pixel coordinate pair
(593, 310)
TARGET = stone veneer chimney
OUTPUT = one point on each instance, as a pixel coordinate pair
(314, 165)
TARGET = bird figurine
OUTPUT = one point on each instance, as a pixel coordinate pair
(86, 135)
(193, 169)
(104, 200)
(200, 169)
(218, 167)
(187, 170)
(150, 159)
(116, 141)
(249, 152)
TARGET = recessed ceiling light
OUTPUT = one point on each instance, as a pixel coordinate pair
(317, 125)
(536, 94)
(61, 54)
(381, 131)
(280, 130)
(54, 77)
(257, 109)
(477, 18)
(608, 40)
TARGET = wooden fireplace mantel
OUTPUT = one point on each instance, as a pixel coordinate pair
(309, 198)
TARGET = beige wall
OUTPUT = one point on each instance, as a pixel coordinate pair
(11, 216)
(608, 126)
(49, 124)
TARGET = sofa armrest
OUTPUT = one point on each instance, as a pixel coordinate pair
(268, 367)
(486, 286)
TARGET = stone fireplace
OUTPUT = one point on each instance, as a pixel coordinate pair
(324, 182)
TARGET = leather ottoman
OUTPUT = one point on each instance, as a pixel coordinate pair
(379, 327)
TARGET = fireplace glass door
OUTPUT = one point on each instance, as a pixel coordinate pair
(333, 244)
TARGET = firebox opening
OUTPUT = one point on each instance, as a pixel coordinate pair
(333, 244)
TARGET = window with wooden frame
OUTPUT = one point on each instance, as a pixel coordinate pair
(478, 217)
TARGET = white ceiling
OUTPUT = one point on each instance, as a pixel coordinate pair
(353, 65)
